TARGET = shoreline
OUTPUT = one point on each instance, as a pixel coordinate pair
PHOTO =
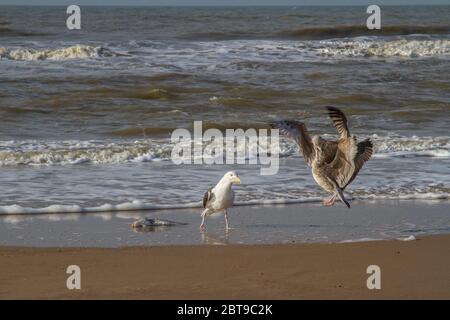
(132, 206)
(409, 270)
(269, 224)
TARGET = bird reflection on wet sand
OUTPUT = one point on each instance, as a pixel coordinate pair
(215, 239)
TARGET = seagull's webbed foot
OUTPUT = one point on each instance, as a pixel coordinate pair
(329, 202)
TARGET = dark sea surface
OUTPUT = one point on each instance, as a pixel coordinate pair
(86, 115)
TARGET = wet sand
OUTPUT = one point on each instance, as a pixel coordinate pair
(409, 269)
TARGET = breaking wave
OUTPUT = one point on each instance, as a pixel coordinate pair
(61, 208)
(240, 54)
(80, 152)
(73, 152)
(385, 49)
(414, 146)
(72, 52)
(141, 205)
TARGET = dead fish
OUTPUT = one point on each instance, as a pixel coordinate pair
(155, 223)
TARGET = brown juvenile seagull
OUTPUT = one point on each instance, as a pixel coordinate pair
(335, 164)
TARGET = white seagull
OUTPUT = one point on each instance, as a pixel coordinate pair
(220, 198)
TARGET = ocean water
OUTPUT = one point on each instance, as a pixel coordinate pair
(86, 116)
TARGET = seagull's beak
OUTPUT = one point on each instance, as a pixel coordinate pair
(237, 180)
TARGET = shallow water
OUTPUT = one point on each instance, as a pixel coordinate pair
(86, 116)
(306, 223)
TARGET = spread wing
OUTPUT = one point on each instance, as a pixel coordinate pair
(339, 121)
(342, 168)
(365, 151)
(208, 197)
(296, 131)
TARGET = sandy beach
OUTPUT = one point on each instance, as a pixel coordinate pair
(297, 251)
(413, 269)
(273, 252)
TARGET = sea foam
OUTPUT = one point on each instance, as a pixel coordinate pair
(142, 205)
(385, 49)
(73, 52)
(75, 152)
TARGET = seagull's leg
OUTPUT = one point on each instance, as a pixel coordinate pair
(326, 202)
(333, 199)
(226, 221)
(202, 225)
(340, 194)
(329, 202)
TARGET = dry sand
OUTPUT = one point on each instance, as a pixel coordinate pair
(413, 269)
